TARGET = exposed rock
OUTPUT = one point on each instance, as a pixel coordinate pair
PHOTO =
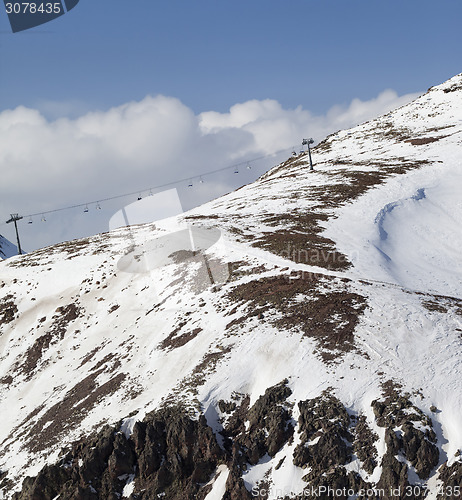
(268, 427)
(235, 489)
(325, 448)
(336, 483)
(403, 438)
(168, 453)
(8, 310)
(394, 475)
(77, 366)
(451, 478)
(325, 422)
(364, 446)
(173, 455)
(226, 406)
(89, 470)
(60, 418)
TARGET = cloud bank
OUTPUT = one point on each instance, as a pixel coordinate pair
(46, 164)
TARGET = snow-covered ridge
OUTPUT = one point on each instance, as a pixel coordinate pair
(314, 294)
(7, 249)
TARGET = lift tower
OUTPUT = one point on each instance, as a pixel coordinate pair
(308, 142)
(15, 218)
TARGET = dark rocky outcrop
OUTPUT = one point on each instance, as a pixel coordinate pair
(269, 426)
(89, 470)
(174, 455)
(329, 435)
(404, 439)
(325, 444)
(8, 310)
(364, 446)
(451, 481)
(168, 453)
(325, 422)
(401, 418)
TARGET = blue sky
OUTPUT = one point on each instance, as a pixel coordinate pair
(119, 95)
(212, 54)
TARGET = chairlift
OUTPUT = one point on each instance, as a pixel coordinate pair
(30, 220)
(140, 197)
(236, 171)
(98, 206)
(85, 210)
(190, 184)
(201, 181)
(43, 218)
(249, 166)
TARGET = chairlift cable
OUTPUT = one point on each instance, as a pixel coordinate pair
(150, 189)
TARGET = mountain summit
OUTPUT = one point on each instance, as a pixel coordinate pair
(307, 345)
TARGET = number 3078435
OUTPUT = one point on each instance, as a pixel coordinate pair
(33, 8)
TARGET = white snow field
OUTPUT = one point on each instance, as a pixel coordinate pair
(106, 347)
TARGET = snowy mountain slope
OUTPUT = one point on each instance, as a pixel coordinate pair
(319, 337)
(7, 249)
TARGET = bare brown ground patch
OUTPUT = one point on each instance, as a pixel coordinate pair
(90, 355)
(424, 140)
(442, 304)
(56, 332)
(319, 307)
(173, 341)
(301, 242)
(301, 239)
(67, 414)
(111, 362)
(8, 310)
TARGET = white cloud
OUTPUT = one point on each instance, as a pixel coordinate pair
(273, 127)
(360, 111)
(46, 163)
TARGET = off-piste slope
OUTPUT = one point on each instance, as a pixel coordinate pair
(308, 344)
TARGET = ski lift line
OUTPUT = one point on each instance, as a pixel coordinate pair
(167, 184)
